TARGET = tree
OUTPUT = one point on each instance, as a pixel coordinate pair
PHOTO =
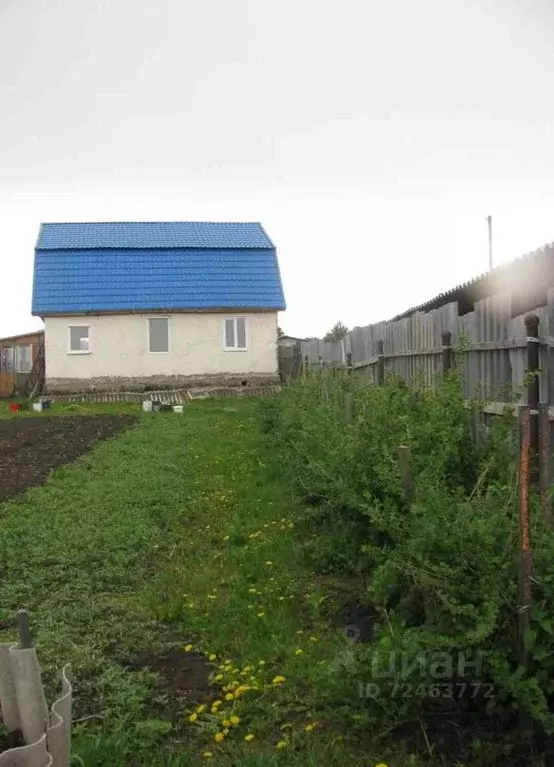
(337, 332)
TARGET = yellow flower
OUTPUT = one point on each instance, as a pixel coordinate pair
(226, 723)
(251, 591)
(214, 709)
(299, 652)
(193, 717)
(249, 737)
(269, 562)
(309, 727)
(212, 596)
(246, 669)
(216, 703)
(261, 663)
(225, 537)
(213, 657)
(314, 639)
(300, 631)
(235, 720)
(278, 679)
(229, 696)
(207, 755)
(201, 708)
(218, 737)
(281, 744)
(260, 615)
(218, 677)
(188, 647)
(226, 731)
(381, 764)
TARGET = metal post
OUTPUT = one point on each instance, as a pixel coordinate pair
(525, 595)
(446, 351)
(544, 462)
(380, 363)
(533, 388)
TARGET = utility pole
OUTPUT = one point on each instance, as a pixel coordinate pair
(489, 221)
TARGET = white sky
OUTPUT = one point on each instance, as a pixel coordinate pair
(370, 138)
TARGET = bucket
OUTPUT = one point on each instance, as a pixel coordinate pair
(38, 406)
(156, 406)
(177, 408)
(147, 406)
(166, 407)
(15, 407)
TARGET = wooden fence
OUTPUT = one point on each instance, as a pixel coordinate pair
(492, 344)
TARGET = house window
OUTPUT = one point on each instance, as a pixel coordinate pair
(158, 334)
(6, 359)
(79, 339)
(23, 358)
(234, 334)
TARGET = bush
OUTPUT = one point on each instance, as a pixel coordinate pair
(442, 565)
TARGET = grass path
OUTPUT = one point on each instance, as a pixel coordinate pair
(177, 534)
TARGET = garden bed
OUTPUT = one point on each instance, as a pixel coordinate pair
(31, 447)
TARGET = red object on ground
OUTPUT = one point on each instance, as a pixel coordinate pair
(15, 407)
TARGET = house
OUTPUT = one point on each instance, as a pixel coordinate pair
(17, 355)
(285, 342)
(159, 305)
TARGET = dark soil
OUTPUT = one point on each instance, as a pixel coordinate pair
(181, 674)
(31, 447)
(11, 740)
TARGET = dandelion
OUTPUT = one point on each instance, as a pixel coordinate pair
(201, 708)
(218, 677)
(381, 764)
(299, 651)
(226, 723)
(235, 720)
(229, 696)
(281, 744)
(278, 679)
(212, 596)
(300, 631)
(218, 737)
(314, 639)
(226, 731)
(246, 669)
(207, 755)
(217, 703)
(309, 728)
(269, 562)
(261, 615)
(225, 537)
(188, 647)
(261, 663)
(193, 717)
(249, 737)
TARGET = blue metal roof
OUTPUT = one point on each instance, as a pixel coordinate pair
(153, 234)
(82, 268)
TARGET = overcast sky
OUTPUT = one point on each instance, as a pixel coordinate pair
(370, 138)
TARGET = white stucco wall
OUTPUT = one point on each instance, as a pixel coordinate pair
(119, 346)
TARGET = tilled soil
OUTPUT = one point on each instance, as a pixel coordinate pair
(31, 447)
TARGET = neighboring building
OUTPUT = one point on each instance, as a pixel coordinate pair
(287, 341)
(17, 354)
(139, 306)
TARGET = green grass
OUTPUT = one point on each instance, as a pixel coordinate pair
(178, 532)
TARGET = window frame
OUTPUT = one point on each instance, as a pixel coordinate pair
(17, 362)
(79, 351)
(235, 334)
(169, 338)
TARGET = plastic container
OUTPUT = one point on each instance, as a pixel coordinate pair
(38, 406)
(177, 408)
(156, 406)
(15, 407)
(147, 405)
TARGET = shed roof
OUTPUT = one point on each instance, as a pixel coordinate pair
(154, 266)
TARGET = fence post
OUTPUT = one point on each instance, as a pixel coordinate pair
(533, 388)
(446, 351)
(525, 594)
(544, 462)
(306, 364)
(405, 464)
(380, 363)
(349, 361)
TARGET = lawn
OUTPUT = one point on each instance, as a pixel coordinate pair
(166, 566)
